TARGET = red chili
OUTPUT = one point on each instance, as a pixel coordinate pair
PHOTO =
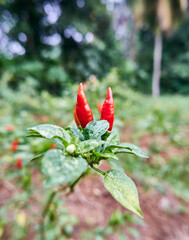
(53, 146)
(14, 145)
(10, 128)
(83, 111)
(108, 109)
(76, 118)
(18, 163)
(99, 106)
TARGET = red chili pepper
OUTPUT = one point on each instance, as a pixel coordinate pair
(18, 163)
(52, 146)
(76, 118)
(10, 128)
(14, 145)
(83, 110)
(108, 109)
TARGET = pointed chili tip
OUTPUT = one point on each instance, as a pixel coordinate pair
(80, 86)
(109, 93)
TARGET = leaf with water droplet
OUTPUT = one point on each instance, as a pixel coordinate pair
(59, 169)
(126, 148)
(54, 133)
(95, 129)
(88, 145)
(123, 190)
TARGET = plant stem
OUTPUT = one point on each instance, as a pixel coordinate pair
(44, 213)
(52, 195)
(78, 179)
(98, 170)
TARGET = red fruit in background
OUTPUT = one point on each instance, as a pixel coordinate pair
(52, 146)
(108, 109)
(83, 110)
(19, 163)
(14, 145)
(99, 106)
(10, 128)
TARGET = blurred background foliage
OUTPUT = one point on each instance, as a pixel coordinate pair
(59, 42)
(174, 78)
(46, 48)
(160, 127)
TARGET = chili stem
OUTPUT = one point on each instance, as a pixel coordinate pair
(98, 170)
(78, 179)
(44, 213)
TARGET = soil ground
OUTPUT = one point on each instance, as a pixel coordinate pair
(166, 217)
(93, 205)
(163, 218)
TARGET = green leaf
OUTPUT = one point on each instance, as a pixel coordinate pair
(54, 133)
(88, 145)
(106, 155)
(123, 150)
(59, 169)
(127, 148)
(114, 137)
(115, 165)
(37, 157)
(123, 190)
(116, 147)
(33, 135)
(105, 135)
(96, 129)
(112, 146)
(76, 131)
(135, 150)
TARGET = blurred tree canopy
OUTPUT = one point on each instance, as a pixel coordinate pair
(175, 61)
(52, 43)
(160, 16)
(73, 39)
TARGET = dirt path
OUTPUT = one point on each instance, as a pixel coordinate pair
(163, 216)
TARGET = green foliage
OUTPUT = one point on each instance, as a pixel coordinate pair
(174, 77)
(116, 222)
(115, 165)
(59, 169)
(95, 130)
(162, 129)
(176, 60)
(54, 133)
(140, 119)
(37, 74)
(68, 165)
(59, 223)
(123, 190)
(77, 42)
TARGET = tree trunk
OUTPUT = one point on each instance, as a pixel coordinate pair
(157, 64)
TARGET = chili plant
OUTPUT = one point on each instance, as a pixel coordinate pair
(79, 149)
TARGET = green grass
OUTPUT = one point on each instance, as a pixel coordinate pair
(168, 118)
